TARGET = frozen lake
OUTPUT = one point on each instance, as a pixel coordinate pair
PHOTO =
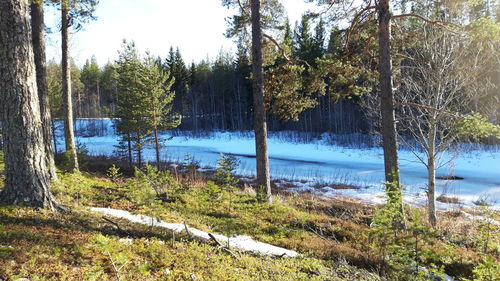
(321, 164)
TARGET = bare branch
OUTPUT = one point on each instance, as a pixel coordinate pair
(282, 51)
(355, 22)
(429, 21)
(427, 107)
(220, 246)
(243, 10)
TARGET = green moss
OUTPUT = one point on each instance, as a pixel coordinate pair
(42, 246)
(80, 247)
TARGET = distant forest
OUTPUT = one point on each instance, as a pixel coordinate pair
(216, 94)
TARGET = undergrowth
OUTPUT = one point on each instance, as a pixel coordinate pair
(337, 239)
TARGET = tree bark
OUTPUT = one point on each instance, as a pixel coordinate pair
(27, 180)
(129, 146)
(54, 139)
(69, 135)
(431, 172)
(38, 39)
(260, 122)
(388, 124)
(139, 157)
(157, 149)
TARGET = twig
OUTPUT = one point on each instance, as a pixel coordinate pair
(117, 270)
(187, 230)
(435, 22)
(355, 22)
(243, 10)
(220, 246)
(428, 108)
(117, 226)
(315, 232)
(270, 38)
(153, 184)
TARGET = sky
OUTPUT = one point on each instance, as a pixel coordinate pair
(195, 26)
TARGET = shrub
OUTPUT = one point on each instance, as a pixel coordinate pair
(190, 164)
(225, 168)
(161, 182)
(113, 173)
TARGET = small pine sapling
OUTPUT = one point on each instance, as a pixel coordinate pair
(161, 182)
(190, 165)
(488, 243)
(225, 168)
(114, 174)
(224, 174)
(383, 231)
(150, 188)
(403, 251)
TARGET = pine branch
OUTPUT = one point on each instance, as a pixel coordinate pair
(282, 51)
(355, 22)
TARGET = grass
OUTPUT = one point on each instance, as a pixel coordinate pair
(331, 234)
(43, 246)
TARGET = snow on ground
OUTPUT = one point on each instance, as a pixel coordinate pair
(322, 165)
(244, 243)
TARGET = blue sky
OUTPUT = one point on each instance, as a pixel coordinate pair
(195, 26)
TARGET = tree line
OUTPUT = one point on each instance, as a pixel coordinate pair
(216, 94)
(305, 78)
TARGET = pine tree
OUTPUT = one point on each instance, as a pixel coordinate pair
(128, 89)
(335, 43)
(91, 80)
(69, 134)
(157, 105)
(144, 101)
(318, 49)
(304, 42)
(38, 39)
(74, 13)
(27, 177)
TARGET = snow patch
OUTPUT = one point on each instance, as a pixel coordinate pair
(243, 243)
(320, 162)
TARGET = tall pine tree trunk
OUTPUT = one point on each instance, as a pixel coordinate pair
(139, 157)
(54, 139)
(157, 148)
(27, 179)
(388, 124)
(260, 122)
(129, 146)
(38, 37)
(69, 135)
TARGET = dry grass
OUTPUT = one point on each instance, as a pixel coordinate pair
(324, 229)
(447, 199)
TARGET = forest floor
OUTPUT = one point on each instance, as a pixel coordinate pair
(332, 235)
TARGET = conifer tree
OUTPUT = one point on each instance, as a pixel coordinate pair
(38, 39)
(27, 178)
(157, 104)
(74, 13)
(304, 41)
(260, 16)
(144, 101)
(128, 89)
